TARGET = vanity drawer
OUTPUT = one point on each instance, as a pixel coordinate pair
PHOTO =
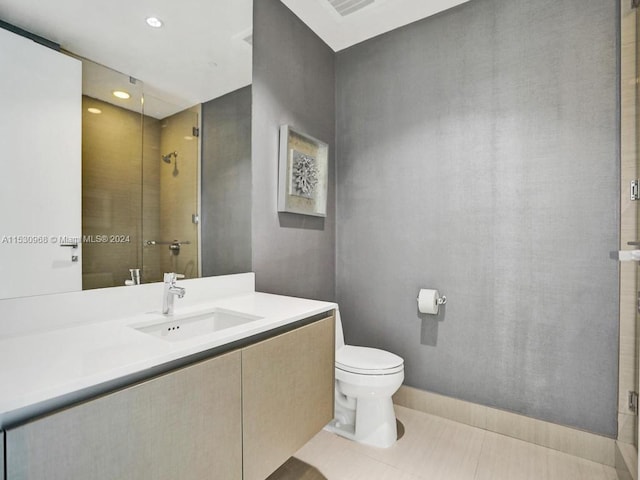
(183, 424)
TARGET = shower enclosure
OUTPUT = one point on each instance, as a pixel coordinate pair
(635, 331)
(171, 241)
(140, 172)
(627, 444)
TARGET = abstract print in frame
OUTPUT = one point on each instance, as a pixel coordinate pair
(302, 186)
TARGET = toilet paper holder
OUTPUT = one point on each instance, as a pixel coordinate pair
(439, 301)
(430, 300)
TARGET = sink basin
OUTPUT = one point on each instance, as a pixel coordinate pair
(185, 327)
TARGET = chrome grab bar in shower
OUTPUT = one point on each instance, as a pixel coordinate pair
(174, 247)
(156, 242)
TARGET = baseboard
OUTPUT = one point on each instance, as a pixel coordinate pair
(626, 461)
(558, 437)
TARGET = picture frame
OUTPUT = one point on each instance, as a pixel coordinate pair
(302, 173)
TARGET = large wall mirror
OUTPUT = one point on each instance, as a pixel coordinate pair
(140, 178)
(166, 133)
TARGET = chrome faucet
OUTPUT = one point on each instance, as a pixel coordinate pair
(170, 291)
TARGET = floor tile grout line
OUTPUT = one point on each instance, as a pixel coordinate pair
(484, 442)
(371, 456)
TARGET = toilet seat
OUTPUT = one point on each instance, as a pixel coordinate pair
(368, 361)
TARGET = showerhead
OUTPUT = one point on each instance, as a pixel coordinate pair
(167, 158)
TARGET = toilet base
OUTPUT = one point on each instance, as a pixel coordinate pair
(346, 431)
(375, 422)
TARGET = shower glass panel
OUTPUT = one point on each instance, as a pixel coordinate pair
(170, 198)
(628, 370)
(637, 210)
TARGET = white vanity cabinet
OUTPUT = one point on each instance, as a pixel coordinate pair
(182, 425)
(235, 416)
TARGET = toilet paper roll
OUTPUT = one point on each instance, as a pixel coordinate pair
(428, 301)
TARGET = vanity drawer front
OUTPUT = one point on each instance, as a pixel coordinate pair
(184, 424)
(287, 385)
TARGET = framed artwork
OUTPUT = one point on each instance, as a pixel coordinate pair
(302, 180)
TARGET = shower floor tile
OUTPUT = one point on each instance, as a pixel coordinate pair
(434, 448)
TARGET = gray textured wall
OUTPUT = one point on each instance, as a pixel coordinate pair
(293, 83)
(478, 154)
(226, 184)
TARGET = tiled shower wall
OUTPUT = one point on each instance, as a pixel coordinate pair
(113, 153)
(179, 192)
(128, 190)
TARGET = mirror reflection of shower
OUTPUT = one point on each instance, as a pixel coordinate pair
(126, 192)
(167, 159)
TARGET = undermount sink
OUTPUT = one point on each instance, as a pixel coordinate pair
(184, 327)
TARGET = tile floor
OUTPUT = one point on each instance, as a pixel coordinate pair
(434, 448)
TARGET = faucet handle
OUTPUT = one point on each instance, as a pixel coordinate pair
(172, 277)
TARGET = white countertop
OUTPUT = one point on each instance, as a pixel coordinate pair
(41, 367)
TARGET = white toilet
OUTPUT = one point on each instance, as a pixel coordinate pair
(366, 379)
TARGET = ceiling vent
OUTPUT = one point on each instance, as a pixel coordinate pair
(347, 7)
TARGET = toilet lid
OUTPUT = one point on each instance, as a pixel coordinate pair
(368, 361)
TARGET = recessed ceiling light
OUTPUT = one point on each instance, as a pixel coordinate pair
(94, 110)
(121, 94)
(154, 22)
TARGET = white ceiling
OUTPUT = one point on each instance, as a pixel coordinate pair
(378, 17)
(200, 53)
